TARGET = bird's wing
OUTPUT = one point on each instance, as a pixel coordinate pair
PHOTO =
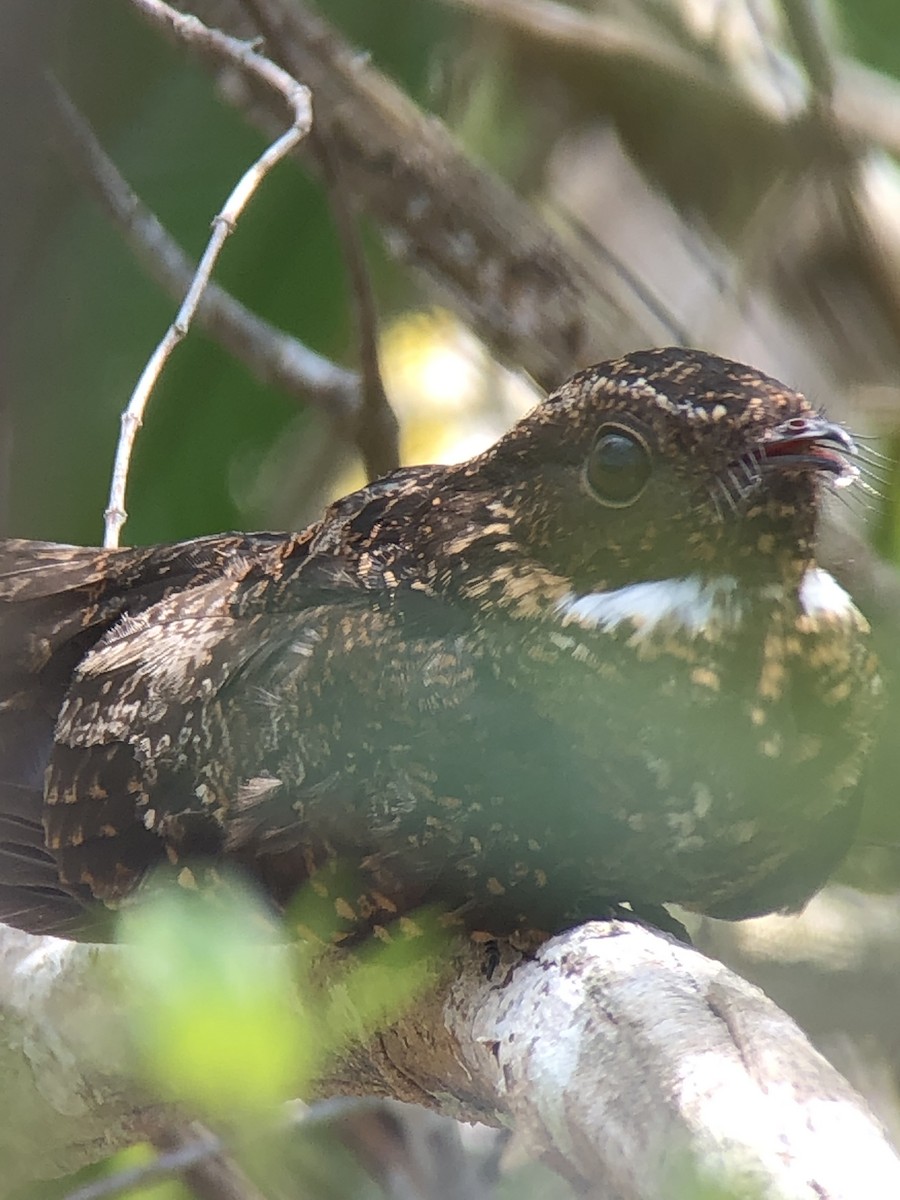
(56, 602)
(357, 730)
(209, 724)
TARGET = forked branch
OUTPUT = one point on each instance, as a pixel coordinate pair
(192, 32)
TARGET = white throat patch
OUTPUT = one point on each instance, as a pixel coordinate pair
(822, 596)
(689, 603)
(693, 603)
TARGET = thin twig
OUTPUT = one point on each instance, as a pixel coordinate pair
(164, 1166)
(377, 429)
(212, 1176)
(274, 357)
(192, 32)
(183, 1154)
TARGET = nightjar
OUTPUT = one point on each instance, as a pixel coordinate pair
(597, 664)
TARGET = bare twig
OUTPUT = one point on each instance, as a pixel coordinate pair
(190, 31)
(274, 357)
(377, 429)
(401, 1146)
(215, 1175)
(163, 1166)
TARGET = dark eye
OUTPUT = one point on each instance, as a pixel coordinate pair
(618, 468)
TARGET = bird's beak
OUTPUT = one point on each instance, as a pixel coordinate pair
(811, 442)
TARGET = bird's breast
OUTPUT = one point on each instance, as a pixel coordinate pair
(725, 731)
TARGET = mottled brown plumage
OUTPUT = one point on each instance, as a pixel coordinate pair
(596, 664)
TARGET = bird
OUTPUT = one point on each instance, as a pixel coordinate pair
(596, 666)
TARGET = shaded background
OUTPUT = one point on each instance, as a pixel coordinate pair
(79, 317)
(687, 191)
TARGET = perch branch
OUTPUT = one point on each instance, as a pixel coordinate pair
(641, 1057)
(192, 32)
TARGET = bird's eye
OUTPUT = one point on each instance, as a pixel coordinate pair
(618, 467)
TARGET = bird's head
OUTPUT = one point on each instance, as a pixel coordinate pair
(668, 463)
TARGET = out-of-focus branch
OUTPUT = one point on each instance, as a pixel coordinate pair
(540, 294)
(204, 1164)
(533, 294)
(166, 1165)
(865, 230)
(804, 24)
(192, 32)
(411, 1152)
(866, 104)
(599, 34)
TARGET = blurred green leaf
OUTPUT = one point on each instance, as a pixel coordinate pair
(384, 979)
(871, 29)
(215, 1011)
(229, 1020)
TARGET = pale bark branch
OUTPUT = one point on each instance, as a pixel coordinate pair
(622, 1056)
(600, 35)
(804, 22)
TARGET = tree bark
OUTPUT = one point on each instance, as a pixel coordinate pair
(631, 1062)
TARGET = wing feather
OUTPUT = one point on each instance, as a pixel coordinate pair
(56, 602)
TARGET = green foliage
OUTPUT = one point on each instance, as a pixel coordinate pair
(871, 28)
(214, 1011)
(232, 1021)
